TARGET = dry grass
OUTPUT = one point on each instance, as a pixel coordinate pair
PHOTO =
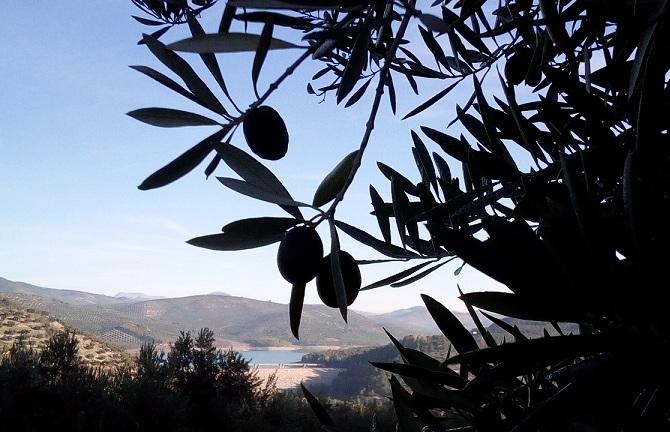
(36, 327)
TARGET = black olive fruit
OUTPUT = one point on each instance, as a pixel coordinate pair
(265, 132)
(517, 65)
(351, 275)
(299, 255)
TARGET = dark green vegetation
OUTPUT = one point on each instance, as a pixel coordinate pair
(194, 387)
(266, 133)
(560, 190)
(351, 279)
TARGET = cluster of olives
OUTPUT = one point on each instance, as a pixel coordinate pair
(300, 259)
(266, 133)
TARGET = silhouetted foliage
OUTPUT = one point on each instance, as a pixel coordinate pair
(553, 178)
(52, 390)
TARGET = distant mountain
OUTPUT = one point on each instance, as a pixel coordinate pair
(69, 296)
(136, 296)
(221, 293)
(418, 319)
(128, 322)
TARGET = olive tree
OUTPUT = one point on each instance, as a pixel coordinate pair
(564, 195)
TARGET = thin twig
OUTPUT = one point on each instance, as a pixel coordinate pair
(369, 126)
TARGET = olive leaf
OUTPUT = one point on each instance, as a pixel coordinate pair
(338, 280)
(255, 173)
(430, 102)
(264, 43)
(209, 59)
(355, 65)
(183, 164)
(167, 117)
(246, 234)
(227, 42)
(333, 183)
(450, 326)
(396, 277)
(378, 245)
(382, 220)
(318, 409)
(179, 66)
(169, 83)
(295, 308)
(253, 191)
(417, 276)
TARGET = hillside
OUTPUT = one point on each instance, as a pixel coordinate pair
(37, 327)
(419, 319)
(237, 321)
(68, 296)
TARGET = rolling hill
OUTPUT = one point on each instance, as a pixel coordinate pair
(128, 322)
(419, 320)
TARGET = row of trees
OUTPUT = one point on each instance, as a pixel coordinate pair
(192, 387)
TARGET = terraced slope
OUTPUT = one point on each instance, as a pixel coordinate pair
(36, 327)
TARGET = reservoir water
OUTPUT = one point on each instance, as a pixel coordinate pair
(272, 357)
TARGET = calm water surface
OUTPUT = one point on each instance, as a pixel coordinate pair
(272, 357)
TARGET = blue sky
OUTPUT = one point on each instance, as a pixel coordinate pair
(71, 160)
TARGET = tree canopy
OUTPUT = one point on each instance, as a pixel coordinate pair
(556, 184)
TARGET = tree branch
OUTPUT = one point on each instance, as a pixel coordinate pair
(369, 126)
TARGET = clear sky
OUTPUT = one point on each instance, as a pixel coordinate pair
(72, 216)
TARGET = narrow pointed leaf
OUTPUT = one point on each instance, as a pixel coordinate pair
(450, 326)
(246, 234)
(183, 164)
(264, 42)
(400, 205)
(295, 308)
(414, 357)
(486, 335)
(429, 375)
(416, 277)
(391, 92)
(378, 245)
(338, 280)
(179, 66)
(358, 94)
(167, 117)
(317, 408)
(209, 59)
(401, 404)
(357, 61)
(426, 163)
(333, 183)
(255, 173)
(227, 42)
(396, 277)
(403, 182)
(147, 21)
(512, 330)
(430, 102)
(169, 83)
(258, 193)
(382, 220)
